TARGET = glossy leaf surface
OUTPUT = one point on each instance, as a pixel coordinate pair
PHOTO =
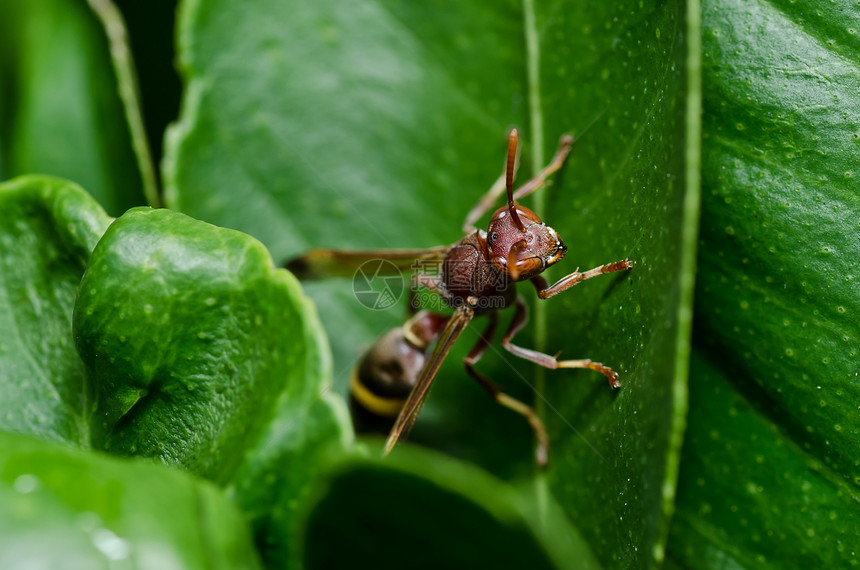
(191, 348)
(65, 508)
(486, 523)
(205, 356)
(48, 227)
(751, 495)
(770, 475)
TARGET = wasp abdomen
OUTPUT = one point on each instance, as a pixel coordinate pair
(383, 378)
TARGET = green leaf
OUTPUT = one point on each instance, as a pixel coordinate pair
(62, 114)
(379, 124)
(283, 470)
(204, 356)
(779, 297)
(48, 227)
(190, 336)
(422, 510)
(172, 377)
(64, 508)
(631, 189)
(751, 495)
(197, 350)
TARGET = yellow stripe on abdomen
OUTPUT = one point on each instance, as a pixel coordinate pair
(384, 407)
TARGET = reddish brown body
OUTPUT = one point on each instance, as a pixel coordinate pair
(468, 277)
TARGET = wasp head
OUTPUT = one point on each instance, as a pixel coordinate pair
(518, 242)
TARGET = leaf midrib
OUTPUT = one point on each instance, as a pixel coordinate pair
(531, 35)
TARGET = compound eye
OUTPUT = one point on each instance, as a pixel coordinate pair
(493, 237)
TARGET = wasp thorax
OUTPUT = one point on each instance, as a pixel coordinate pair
(522, 252)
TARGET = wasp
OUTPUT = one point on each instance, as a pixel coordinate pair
(476, 277)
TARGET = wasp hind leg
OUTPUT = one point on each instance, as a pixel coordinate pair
(542, 451)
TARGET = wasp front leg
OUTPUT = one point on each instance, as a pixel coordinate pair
(575, 278)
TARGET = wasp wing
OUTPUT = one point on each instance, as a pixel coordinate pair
(456, 325)
(323, 263)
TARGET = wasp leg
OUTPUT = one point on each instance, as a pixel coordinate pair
(519, 320)
(454, 327)
(564, 145)
(542, 452)
(568, 281)
(497, 189)
(485, 203)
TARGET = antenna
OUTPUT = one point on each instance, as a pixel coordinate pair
(509, 179)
